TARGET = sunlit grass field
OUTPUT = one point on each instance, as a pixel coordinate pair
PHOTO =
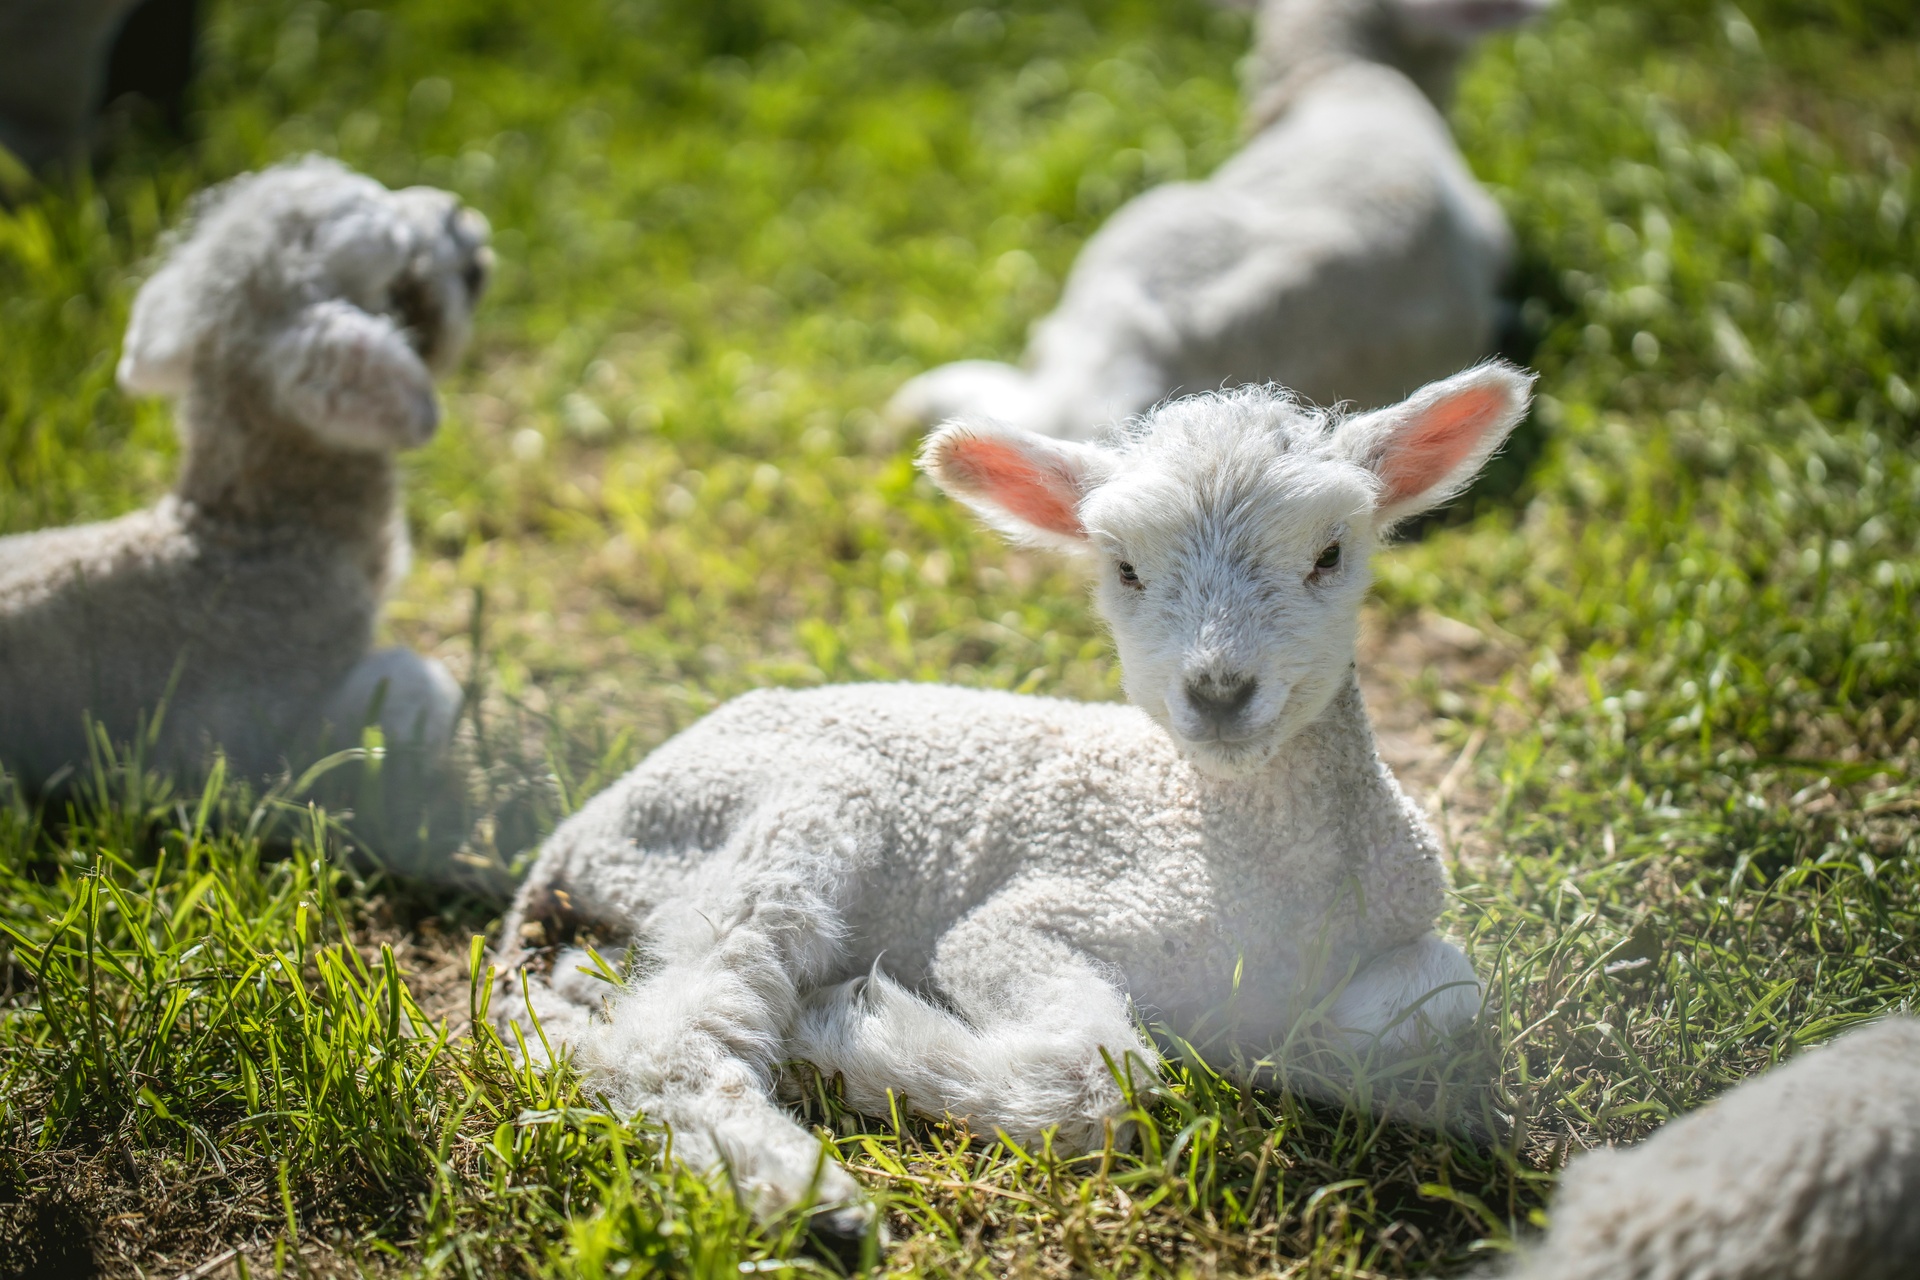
(1683, 759)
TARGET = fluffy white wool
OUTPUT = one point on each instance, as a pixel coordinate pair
(296, 320)
(951, 897)
(1809, 1172)
(1345, 252)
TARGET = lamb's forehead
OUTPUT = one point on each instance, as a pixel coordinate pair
(287, 222)
(1249, 462)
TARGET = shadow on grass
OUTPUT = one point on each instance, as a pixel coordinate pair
(45, 1234)
(1532, 302)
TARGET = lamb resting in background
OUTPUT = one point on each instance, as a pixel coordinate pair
(951, 896)
(1345, 252)
(1810, 1172)
(296, 322)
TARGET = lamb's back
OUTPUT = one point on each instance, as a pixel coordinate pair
(38, 565)
(913, 756)
(1363, 143)
(933, 793)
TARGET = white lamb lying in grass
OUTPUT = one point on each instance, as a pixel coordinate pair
(1030, 871)
(296, 322)
(1809, 1172)
(1345, 252)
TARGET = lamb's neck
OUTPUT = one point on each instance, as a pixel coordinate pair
(1339, 741)
(1298, 43)
(269, 480)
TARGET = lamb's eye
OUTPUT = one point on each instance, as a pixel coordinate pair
(1329, 559)
(1129, 575)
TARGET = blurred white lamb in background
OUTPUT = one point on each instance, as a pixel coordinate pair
(295, 320)
(1346, 252)
(1025, 867)
(1809, 1172)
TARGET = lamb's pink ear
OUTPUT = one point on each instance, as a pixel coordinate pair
(1430, 446)
(1025, 485)
(1467, 20)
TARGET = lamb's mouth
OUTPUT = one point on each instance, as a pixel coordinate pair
(1225, 754)
(1221, 739)
(1240, 734)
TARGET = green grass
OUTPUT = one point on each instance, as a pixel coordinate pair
(726, 232)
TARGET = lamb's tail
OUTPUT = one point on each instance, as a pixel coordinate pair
(1022, 1075)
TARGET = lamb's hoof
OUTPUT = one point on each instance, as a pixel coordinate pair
(841, 1235)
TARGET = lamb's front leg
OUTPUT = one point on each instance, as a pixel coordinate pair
(1030, 1039)
(1408, 996)
(413, 699)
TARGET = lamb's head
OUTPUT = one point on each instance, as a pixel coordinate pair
(1231, 534)
(1425, 39)
(321, 290)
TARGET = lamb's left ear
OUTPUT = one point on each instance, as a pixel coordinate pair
(1431, 445)
(1026, 485)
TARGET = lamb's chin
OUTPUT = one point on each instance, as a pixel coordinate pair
(1228, 760)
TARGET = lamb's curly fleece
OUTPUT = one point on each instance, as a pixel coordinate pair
(949, 897)
(1345, 252)
(1809, 1172)
(296, 319)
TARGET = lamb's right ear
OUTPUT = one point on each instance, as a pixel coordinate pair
(1431, 445)
(1028, 486)
(157, 356)
(352, 379)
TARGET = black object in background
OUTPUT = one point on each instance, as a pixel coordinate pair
(153, 56)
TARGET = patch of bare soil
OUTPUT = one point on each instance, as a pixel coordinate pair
(433, 954)
(1417, 672)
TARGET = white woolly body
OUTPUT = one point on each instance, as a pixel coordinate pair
(1003, 856)
(948, 805)
(950, 898)
(1346, 253)
(297, 323)
(1809, 1172)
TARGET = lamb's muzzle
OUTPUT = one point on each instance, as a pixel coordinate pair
(961, 902)
(1218, 703)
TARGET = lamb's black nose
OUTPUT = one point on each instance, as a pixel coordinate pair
(1221, 699)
